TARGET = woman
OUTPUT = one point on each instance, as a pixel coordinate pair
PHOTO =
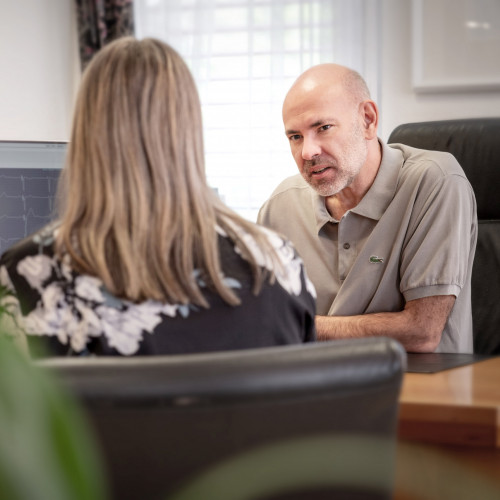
(145, 259)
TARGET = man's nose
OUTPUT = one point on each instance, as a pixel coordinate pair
(310, 149)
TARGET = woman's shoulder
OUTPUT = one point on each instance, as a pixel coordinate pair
(280, 257)
(41, 242)
(252, 236)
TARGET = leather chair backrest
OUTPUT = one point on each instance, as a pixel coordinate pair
(275, 423)
(475, 143)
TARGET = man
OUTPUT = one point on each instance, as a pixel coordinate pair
(387, 233)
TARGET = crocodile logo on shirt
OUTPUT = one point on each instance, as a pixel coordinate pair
(376, 260)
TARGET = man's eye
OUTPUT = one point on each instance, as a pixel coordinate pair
(325, 127)
(294, 137)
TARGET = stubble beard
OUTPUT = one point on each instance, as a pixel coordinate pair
(346, 168)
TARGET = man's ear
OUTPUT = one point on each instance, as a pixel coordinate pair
(369, 112)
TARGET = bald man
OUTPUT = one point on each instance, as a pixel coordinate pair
(387, 232)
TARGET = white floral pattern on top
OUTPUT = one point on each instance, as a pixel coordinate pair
(36, 269)
(75, 308)
(289, 275)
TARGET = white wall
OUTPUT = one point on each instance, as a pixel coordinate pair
(39, 73)
(39, 69)
(398, 101)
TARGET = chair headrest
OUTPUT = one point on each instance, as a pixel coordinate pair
(475, 143)
(270, 372)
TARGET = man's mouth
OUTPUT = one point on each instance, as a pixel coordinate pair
(319, 171)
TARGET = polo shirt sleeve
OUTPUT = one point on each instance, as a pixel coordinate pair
(441, 234)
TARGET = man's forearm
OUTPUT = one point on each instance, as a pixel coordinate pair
(375, 325)
(418, 327)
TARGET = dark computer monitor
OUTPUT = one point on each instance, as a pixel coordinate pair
(29, 173)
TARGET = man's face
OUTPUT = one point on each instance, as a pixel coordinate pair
(326, 137)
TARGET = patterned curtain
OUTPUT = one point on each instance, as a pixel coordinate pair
(100, 22)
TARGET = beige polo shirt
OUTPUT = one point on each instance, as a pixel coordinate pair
(413, 235)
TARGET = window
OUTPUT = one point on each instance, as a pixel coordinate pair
(244, 56)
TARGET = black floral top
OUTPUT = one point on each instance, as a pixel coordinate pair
(73, 314)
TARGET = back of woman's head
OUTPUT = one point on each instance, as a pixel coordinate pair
(136, 209)
(137, 130)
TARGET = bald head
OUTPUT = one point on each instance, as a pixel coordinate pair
(324, 77)
(331, 125)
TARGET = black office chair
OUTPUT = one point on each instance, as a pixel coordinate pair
(475, 143)
(302, 422)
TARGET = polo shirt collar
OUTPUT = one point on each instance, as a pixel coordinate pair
(378, 197)
(382, 191)
(319, 209)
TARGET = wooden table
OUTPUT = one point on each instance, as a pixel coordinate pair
(449, 434)
(458, 406)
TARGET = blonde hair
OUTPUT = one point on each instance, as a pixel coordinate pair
(136, 208)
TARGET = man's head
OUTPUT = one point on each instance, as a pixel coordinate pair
(331, 124)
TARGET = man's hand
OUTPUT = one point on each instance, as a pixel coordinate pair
(418, 326)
